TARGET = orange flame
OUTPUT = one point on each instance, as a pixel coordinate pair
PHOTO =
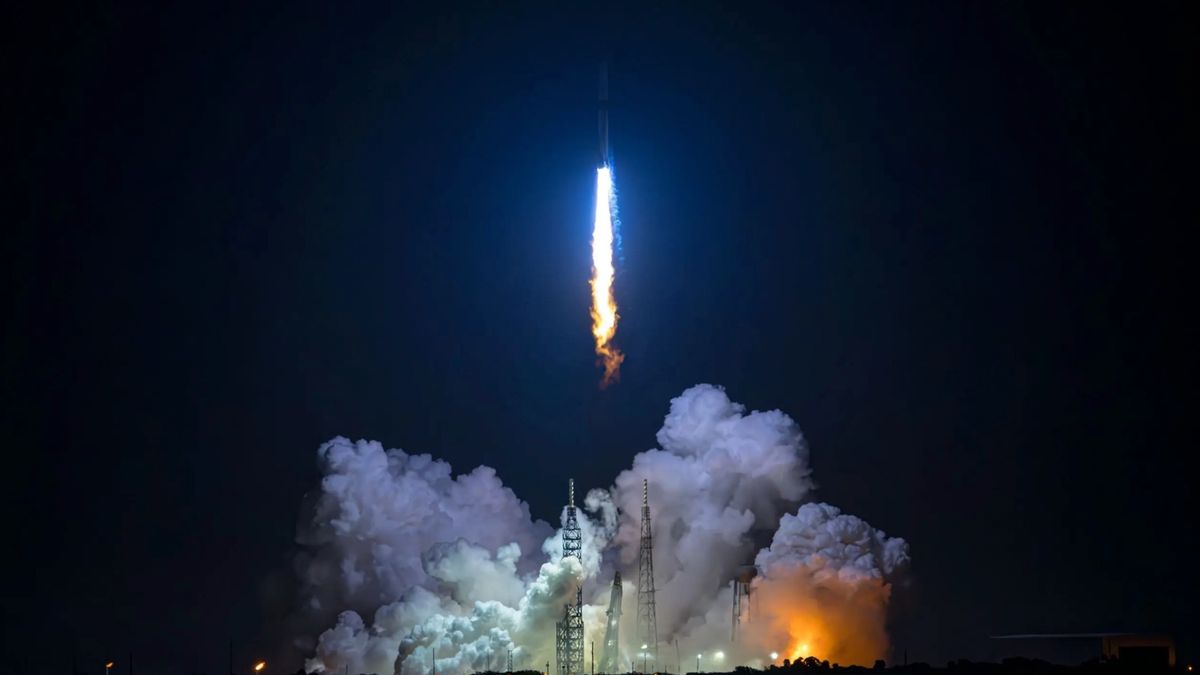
(838, 620)
(259, 666)
(807, 636)
(604, 305)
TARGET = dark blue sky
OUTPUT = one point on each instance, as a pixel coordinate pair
(948, 239)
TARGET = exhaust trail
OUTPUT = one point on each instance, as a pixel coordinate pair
(604, 303)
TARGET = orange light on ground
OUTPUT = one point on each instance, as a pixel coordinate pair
(801, 651)
(848, 628)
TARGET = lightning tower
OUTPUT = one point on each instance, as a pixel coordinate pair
(569, 631)
(647, 622)
(611, 662)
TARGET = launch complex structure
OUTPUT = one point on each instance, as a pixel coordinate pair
(568, 644)
(569, 630)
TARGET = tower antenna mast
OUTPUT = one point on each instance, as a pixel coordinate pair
(647, 621)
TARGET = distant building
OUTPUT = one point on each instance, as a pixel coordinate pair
(1147, 650)
(1139, 649)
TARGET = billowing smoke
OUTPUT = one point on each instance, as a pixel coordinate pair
(409, 564)
(378, 527)
(720, 475)
(824, 587)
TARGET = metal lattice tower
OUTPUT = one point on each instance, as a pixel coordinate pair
(741, 598)
(647, 621)
(560, 641)
(737, 612)
(739, 591)
(572, 537)
(611, 661)
(569, 631)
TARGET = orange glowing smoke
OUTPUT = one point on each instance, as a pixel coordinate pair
(604, 305)
(832, 619)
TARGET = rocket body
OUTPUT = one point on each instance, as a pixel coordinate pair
(602, 114)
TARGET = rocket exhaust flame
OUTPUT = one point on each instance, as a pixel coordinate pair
(604, 304)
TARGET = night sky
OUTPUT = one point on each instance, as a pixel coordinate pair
(948, 239)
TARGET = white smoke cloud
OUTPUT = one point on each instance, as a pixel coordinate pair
(438, 560)
(824, 587)
(455, 566)
(379, 513)
(830, 543)
(470, 572)
(721, 474)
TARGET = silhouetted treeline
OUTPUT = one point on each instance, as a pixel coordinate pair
(1010, 666)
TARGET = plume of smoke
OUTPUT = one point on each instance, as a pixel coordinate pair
(829, 543)
(824, 587)
(437, 561)
(442, 565)
(379, 513)
(721, 475)
(407, 636)
(470, 573)
(390, 533)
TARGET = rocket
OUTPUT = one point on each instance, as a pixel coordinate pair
(602, 114)
(604, 238)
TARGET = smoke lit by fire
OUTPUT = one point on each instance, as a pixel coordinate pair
(836, 621)
(604, 304)
(824, 586)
